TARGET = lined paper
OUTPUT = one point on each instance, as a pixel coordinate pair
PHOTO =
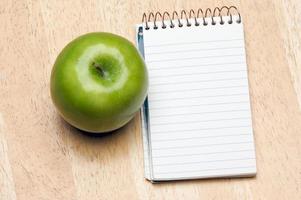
(199, 118)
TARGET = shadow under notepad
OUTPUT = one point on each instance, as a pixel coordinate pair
(207, 180)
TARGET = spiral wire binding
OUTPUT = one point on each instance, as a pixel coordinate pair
(191, 14)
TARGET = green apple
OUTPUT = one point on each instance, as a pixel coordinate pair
(98, 82)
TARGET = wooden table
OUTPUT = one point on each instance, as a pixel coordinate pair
(41, 157)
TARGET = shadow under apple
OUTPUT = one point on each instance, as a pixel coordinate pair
(111, 145)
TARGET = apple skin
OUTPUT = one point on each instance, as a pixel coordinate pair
(98, 82)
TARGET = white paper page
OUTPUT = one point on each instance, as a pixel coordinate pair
(199, 107)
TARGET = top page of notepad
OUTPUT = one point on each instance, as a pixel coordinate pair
(199, 105)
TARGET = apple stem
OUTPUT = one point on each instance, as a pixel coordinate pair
(99, 69)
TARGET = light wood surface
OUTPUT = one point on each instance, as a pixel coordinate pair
(41, 157)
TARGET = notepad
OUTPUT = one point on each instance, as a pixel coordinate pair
(196, 121)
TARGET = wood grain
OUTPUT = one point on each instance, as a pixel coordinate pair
(42, 157)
